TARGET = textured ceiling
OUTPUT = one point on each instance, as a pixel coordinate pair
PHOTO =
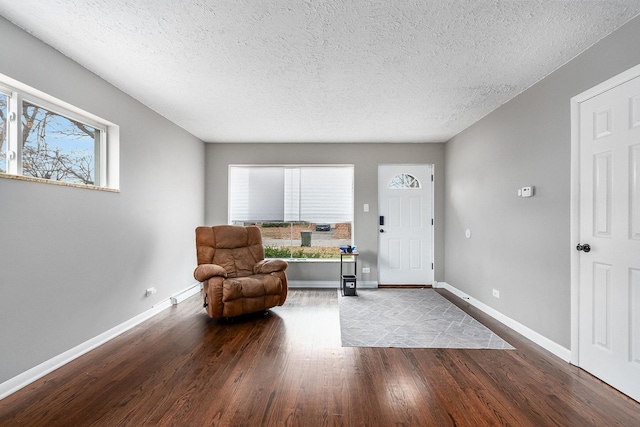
(321, 71)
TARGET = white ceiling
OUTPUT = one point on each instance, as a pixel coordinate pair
(321, 71)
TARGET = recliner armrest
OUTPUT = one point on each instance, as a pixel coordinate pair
(267, 266)
(207, 271)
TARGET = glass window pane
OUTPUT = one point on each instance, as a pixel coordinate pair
(304, 239)
(404, 181)
(56, 147)
(4, 100)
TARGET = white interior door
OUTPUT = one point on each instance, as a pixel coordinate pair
(609, 273)
(405, 202)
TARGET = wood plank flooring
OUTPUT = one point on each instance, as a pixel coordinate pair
(288, 369)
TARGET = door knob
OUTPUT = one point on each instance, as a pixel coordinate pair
(585, 248)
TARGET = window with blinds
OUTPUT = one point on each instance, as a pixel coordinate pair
(304, 211)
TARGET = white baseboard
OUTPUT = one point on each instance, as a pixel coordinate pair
(544, 342)
(24, 379)
(328, 284)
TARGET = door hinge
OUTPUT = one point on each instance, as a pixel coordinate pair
(432, 266)
(431, 221)
(431, 178)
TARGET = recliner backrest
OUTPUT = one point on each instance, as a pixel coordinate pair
(237, 249)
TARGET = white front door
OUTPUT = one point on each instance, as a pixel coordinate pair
(405, 250)
(609, 269)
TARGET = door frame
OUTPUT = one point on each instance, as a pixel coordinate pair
(575, 198)
(432, 243)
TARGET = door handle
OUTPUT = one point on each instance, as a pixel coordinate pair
(585, 248)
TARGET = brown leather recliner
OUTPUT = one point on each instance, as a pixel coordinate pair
(235, 276)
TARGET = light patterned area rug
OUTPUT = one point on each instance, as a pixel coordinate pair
(411, 318)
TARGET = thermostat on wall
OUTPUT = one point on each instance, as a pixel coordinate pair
(525, 192)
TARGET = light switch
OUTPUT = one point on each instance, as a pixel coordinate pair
(366, 207)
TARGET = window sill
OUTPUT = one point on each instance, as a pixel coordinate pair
(311, 260)
(314, 260)
(60, 183)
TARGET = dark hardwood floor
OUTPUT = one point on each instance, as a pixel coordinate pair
(288, 369)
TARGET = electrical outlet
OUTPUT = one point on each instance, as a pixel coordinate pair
(496, 293)
(366, 270)
(150, 292)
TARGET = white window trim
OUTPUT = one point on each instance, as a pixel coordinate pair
(108, 152)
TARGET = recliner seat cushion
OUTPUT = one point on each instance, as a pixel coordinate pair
(250, 294)
(250, 286)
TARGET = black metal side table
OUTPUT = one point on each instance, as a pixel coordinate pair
(348, 281)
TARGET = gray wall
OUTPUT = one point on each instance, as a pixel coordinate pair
(76, 262)
(365, 157)
(522, 246)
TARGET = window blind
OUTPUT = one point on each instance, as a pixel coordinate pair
(291, 194)
(256, 194)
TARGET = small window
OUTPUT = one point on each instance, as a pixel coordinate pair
(46, 139)
(58, 148)
(404, 181)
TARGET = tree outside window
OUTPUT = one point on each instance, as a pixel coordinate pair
(57, 148)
